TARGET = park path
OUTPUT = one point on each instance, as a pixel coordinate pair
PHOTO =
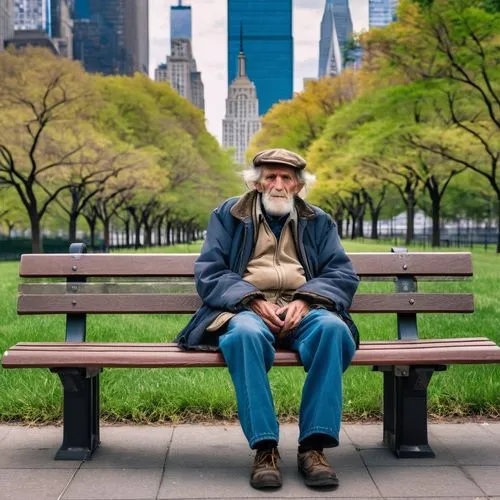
(142, 462)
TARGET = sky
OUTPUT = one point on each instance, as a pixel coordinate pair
(210, 45)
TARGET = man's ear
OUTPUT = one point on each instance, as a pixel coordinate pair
(258, 187)
(299, 188)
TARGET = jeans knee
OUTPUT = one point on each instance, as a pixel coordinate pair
(330, 333)
(245, 328)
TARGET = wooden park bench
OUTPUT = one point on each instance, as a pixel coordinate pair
(407, 363)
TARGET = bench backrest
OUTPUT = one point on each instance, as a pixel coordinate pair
(152, 283)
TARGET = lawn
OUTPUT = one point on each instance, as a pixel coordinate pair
(198, 394)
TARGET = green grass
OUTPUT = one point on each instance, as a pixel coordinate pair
(146, 395)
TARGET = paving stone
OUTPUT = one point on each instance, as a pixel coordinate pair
(4, 430)
(34, 437)
(131, 446)
(216, 446)
(440, 498)
(453, 430)
(487, 478)
(116, 484)
(23, 484)
(385, 457)
(414, 481)
(33, 448)
(25, 458)
(491, 427)
(365, 436)
(217, 483)
(469, 444)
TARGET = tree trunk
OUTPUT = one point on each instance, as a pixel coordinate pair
(410, 216)
(435, 196)
(498, 226)
(36, 235)
(158, 231)
(361, 220)
(169, 233)
(92, 224)
(147, 235)
(353, 227)
(374, 232)
(105, 224)
(339, 220)
(127, 233)
(137, 234)
(72, 227)
(436, 229)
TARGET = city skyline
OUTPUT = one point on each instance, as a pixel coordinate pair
(210, 45)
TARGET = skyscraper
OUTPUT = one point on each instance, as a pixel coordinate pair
(180, 21)
(44, 23)
(62, 27)
(336, 31)
(6, 21)
(381, 12)
(180, 70)
(113, 38)
(268, 41)
(31, 15)
(136, 22)
(242, 120)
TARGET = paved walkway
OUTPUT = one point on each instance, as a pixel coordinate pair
(207, 461)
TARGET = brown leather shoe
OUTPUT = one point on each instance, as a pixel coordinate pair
(315, 469)
(265, 470)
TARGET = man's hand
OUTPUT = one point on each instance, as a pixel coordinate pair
(294, 311)
(268, 312)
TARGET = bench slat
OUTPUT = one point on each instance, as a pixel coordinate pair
(188, 303)
(80, 356)
(182, 265)
(172, 347)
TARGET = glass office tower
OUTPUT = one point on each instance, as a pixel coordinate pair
(268, 43)
(82, 9)
(180, 21)
(336, 31)
(381, 12)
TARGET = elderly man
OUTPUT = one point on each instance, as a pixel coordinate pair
(272, 272)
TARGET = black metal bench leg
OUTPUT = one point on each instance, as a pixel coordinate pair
(405, 410)
(81, 414)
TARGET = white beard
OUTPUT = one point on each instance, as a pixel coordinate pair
(277, 206)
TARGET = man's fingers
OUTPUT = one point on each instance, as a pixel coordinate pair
(274, 328)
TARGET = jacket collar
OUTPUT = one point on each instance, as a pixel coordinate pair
(242, 209)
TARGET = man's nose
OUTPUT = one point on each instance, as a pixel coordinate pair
(278, 183)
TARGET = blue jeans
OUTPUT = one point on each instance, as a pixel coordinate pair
(325, 347)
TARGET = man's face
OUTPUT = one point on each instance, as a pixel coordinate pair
(278, 185)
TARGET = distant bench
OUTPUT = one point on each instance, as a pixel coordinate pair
(407, 363)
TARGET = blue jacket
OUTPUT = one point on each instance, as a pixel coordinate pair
(331, 280)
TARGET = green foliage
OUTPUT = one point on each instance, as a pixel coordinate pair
(70, 140)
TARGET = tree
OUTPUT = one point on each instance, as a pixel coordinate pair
(297, 123)
(42, 98)
(455, 44)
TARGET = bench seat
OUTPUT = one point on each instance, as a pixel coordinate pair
(472, 350)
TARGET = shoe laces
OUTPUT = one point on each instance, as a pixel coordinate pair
(318, 458)
(267, 458)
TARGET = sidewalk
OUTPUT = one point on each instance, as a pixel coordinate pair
(213, 461)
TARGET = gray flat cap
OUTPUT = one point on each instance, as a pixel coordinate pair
(280, 156)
